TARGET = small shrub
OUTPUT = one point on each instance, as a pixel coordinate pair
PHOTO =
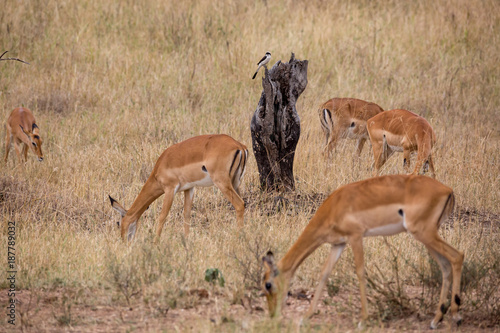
(213, 275)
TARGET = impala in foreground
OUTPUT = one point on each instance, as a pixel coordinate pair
(380, 206)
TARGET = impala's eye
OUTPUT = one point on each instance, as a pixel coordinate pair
(353, 124)
(34, 144)
(268, 286)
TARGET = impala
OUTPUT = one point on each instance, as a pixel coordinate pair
(345, 118)
(380, 206)
(401, 130)
(21, 128)
(204, 160)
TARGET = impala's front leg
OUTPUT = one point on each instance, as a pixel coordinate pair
(18, 151)
(167, 204)
(8, 138)
(188, 204)
(327, 269)
(25, 152)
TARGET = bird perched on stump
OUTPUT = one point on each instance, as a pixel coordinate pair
(262, 62)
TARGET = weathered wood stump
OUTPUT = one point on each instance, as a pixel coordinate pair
(275, 124)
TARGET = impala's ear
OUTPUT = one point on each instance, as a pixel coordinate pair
(34, 128)
(117, 206)
(268, 258)
(268, 261)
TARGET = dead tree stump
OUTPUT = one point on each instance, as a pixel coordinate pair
(275, 124)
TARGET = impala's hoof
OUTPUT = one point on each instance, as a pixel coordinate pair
(435, 324)
(457, 319)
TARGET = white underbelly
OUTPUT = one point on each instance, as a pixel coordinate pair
(386, 230)
(352, 135)
(204, 182)
(396, 148)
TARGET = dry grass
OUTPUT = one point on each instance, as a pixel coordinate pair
(113, 84)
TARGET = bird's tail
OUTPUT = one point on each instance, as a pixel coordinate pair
(253, 77)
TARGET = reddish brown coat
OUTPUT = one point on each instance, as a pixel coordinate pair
(380, 206)
(345, 118)
(21, 129)
(203, 160)
(401, 130)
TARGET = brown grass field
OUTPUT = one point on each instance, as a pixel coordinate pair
(113, 83)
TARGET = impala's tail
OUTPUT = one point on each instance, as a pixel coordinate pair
(325, 119)
(447, 209)
(238, 167)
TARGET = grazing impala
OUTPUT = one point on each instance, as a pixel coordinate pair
(21, 128)
(380, 206)
(401, 130)
(204, 160)
(345, 118)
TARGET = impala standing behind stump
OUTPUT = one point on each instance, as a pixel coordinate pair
(21, 128)
(403, 131)
(345, 118)
(204, 160)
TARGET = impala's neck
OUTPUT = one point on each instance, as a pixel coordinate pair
(310, 239)
(25, 139)
(23, 136)
(149, 193)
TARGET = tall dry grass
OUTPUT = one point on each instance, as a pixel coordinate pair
(112, 84)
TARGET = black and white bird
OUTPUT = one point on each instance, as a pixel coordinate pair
(262, 62)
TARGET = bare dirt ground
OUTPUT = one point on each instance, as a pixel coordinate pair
(57, 311)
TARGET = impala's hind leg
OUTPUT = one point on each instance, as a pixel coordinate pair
(406, 160)
(358, 252)
(431, 166)
(361, 144)
(331, 145)
(379, 157)
(423, 155)
(450, 261)
(188, 205)
(445, 267)
(230, 193)
(167, 204)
